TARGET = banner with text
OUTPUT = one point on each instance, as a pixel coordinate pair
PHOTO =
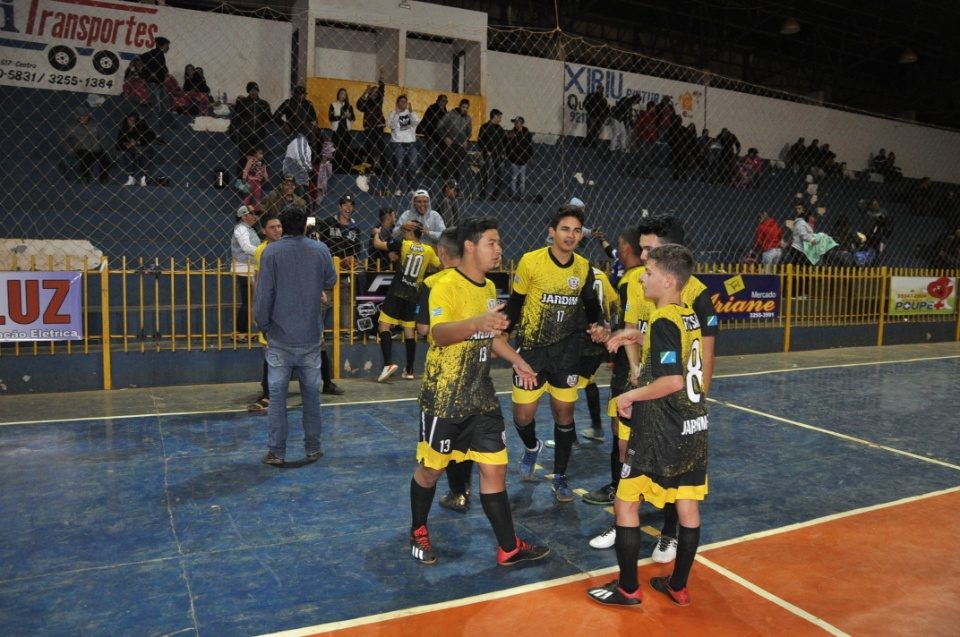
(41, 306)
(915, 295)
(743, 297)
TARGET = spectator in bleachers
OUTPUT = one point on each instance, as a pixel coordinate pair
(243, 248)
(342, 116)
(828, 161)
(447, 206)
(84, 141)
(597, 110)
(323, 166)
(892, 172)
(155, 73)
(282, 198)
(298, 161)
(421, 212)
(748, 171)
(879, 231)
(683, 143)
(297, 115)
(403, 138)
(646, 130)
(255, 174)
(429, 130)
(727, 157)
(848, 239)
(946, 250)
(382, 250)
(797, 153)
(802, 235)
(519, 148)
(134, 86)
(196, 90)
(920, 198)
(769, 238)
(371, 105)
(811, 157)
(701, 154)
(455, 128)
(248, 126)
(621, 118)
(491, 141)
(134, 142)
(879, 162)
(345, 240)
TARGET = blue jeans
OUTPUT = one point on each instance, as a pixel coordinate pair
(518, 180)
(281, 360)
(405, 165)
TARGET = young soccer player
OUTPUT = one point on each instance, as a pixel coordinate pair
(666, 460)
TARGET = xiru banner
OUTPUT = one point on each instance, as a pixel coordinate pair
(41, 306)
(916, 295)
(742, 297)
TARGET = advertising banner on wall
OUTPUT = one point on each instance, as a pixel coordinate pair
(580, 80)
(743, 297)
(920, 295)
(85, 46)
(41, 306)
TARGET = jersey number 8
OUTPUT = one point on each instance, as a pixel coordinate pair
(695, 373)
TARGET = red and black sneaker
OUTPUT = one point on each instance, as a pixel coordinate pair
(420, 546)
(523, 553)
(613, 595)
(662, 585)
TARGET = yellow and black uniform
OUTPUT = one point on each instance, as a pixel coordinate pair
(592, 354)
(256, 268)
(550, 303)
(627, 290)
(460, 415)
(400, 305)
(423, 298)
(667, 454)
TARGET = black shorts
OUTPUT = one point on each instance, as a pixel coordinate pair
(401, 311)
(557, 364)
(479, 437)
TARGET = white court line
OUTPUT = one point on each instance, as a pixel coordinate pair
(841, 365)
(528, 588)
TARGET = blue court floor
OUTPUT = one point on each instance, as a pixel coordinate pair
(168, 524)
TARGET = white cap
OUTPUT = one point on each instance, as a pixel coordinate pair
(576, 202)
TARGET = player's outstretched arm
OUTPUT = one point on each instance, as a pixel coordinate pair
(492, 321)
(659, 388)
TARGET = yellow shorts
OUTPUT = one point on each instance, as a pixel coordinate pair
(643, 487)
(389, 320)
(526, 396)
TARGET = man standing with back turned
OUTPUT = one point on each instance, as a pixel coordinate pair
(293, 274)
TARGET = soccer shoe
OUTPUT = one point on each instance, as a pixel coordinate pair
(602, 496)
(130, 181)
(313, 457)
(662, 585)
(564, 494)
(665, 551)
(605, 540)
(408, 376)
(262, 404)
(528, 463)
(523, 553)
(593, 433)
(387, 372)
(143, 180)
(332, 389)
(552, 444)
(420, 546)
(272, 460)
(455, 502)
(613, 595)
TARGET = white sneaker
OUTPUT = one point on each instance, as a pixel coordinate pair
(605, 540)
(143, 180)
(387, 372)
(397, 194)
(665, 551)
(130, 181)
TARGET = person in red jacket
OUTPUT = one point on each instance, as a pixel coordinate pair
(769, 237)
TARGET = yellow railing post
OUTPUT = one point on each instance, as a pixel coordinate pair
(105, 322)
(335, 310)
(883, 304)
(789, 314)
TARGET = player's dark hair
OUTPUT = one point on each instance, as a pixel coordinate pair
(294, 221)
(668, 228)
(448, 241)
(631, 236)
(675, 260)
(385, 212)
(472, 228)
(566, 210)
(266, 218)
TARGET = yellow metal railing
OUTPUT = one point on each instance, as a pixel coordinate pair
(153, 306)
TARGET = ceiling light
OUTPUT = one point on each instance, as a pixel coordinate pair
(790, 27)
(907, 57)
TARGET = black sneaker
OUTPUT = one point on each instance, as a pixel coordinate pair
(523, 553)
(316, 455)
(333, 389)
(662, 585)
(602, 496)
(420, 546)
(613, 595)
(272, 460)
(455, 502)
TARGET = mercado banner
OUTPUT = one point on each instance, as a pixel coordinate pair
(85, 46)
(916, 295)
(41, 306)
(742, 297)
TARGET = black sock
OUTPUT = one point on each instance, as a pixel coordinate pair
(563, 437)
(386, 347)
(421, 499)
(627, 546)
(325, 368)
(687, 546)
(615, 465)
(458, 475)
(528, 434)
(411, 344)
(670, 520)
(496, 506)
(593, 404)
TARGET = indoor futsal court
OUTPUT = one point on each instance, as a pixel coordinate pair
(834, 495)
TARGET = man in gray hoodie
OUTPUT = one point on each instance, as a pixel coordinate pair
(421, 213)
(84, 140)
(455, 129)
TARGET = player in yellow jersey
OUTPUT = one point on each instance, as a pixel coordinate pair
(666, 458)
(272, 230)
(552, 293)
(460, 417)
(400, 305)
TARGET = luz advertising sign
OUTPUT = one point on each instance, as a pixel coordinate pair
(41, 306)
